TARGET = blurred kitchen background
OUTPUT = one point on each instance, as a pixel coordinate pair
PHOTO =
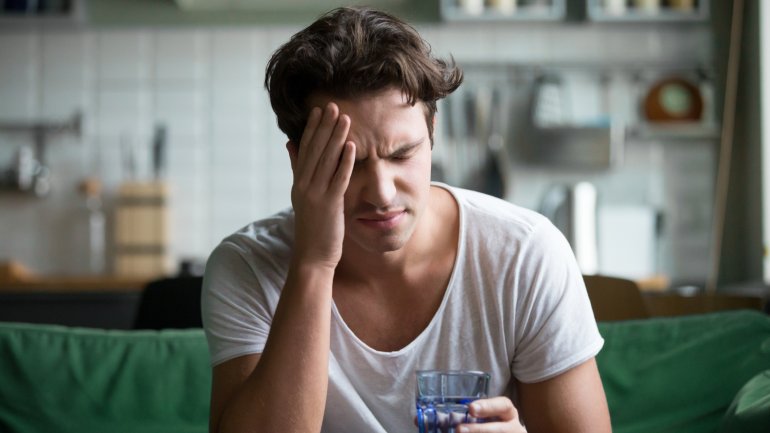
(135, 135)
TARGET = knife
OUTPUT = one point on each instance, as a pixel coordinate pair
(159, 151)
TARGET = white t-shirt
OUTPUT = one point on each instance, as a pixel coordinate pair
(515, 306)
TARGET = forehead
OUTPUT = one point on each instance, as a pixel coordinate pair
(377, 113)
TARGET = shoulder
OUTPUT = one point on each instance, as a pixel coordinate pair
(245, 272)
(275, 232)
(496, 231)
(266, 240)
(493, 216)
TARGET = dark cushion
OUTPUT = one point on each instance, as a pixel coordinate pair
(170, 303)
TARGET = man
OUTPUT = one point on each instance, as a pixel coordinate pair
(318, 317)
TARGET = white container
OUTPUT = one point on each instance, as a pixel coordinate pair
(584, 241)
(614, 7)
(505, 7)
(627, 241)
(682, 5)
(471, 7)
(647, 6)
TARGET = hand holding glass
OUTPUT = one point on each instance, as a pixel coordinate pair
(443, 398)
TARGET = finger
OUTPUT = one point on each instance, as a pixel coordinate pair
(495, 407)
(499, 412)
(495, 427)
(341, 178)
(330, 158)
(311, 150)
(313, 119)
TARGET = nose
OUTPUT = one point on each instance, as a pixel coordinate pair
(380, 186)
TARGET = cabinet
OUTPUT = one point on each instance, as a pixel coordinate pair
(23, 14)
(272, 5)
(556, 10)
(503, 10)
(647, 10)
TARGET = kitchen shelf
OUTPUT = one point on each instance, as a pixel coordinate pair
(31, 173)
(73, 16)
(524, 11)
(598, 11)
(674, 131)
(73, 125)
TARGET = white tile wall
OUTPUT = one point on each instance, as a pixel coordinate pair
(123, 110)
(66, 60)
(183, 109)
(227, 162)
(124, 57)
(181, 57)
(20, 72)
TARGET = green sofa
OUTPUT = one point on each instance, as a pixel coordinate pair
(705, 373)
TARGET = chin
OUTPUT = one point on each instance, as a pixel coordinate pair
(381, 244)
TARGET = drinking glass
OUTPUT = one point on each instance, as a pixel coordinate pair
(443, 398)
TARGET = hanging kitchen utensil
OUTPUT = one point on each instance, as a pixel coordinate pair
(495, 174)
(568, 144)
(448, 146)
(482, 102)
(128, 156)
(469, 144)
(159, 152)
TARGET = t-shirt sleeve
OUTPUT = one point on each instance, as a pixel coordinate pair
(556, 329)
(235, 304)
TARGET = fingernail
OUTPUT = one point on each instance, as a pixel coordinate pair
(462, 429)
(475, 407)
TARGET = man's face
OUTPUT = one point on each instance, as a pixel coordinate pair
(390, 184)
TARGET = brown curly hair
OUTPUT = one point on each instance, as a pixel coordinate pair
(353, 51)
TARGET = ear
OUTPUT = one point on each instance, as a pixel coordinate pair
(293, 150)
(433, 134)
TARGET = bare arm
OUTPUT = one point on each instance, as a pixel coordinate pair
(572, 402)
(284, 388)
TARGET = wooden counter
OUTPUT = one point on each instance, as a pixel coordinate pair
(71, 283)
(14, 277)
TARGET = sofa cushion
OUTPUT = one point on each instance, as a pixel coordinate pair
(750, 410)
(680, 374)
(660, 375)
(59, 379)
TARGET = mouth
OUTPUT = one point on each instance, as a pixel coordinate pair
(387, 220)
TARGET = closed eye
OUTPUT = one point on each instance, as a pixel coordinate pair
(405, 152)
(400, 154)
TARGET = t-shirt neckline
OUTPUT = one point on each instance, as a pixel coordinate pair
(447, 293)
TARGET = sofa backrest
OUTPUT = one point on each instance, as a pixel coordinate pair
(680, 374)
(675, 375)
(61, 379)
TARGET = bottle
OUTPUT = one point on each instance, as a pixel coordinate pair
(91, 188)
